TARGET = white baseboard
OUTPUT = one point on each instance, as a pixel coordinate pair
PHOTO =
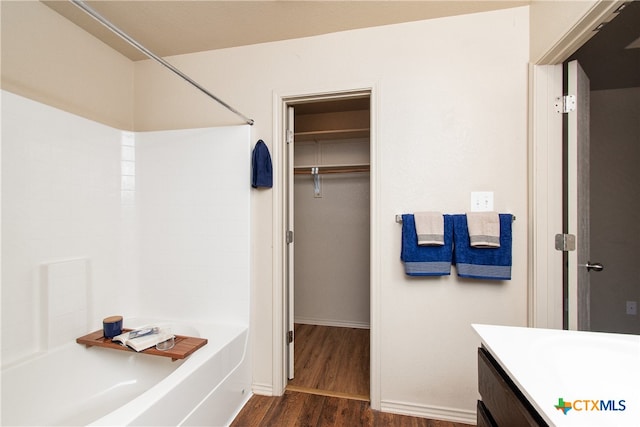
(402, 408)
(262, 389)
(331, 322)
(431, 412)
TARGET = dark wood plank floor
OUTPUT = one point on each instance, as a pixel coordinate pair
(330, 388)
(304, 409)
(331, 360)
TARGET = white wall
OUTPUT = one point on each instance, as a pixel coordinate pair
(332, 235)
(450, 98)
(47, 58)
(173, 244)
(332, 251)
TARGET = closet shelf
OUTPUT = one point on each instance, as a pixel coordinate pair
(332, 134)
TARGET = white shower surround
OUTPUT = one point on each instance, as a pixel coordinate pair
(178, 248)
(192, 199)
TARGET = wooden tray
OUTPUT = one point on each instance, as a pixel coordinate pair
(183, 347)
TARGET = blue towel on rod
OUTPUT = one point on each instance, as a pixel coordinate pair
(426, 260)
(482, 263)
(261, 167)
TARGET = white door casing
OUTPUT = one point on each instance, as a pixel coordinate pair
(283, 307)
(545, 150)
(545, 164)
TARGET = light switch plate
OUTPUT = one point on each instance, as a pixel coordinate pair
(481, 201)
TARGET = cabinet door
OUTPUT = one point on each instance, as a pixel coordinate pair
(502, 399)
(483, 418)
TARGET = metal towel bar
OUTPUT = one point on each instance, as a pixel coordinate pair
(399, 218)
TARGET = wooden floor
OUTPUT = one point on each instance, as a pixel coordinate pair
(303, 409)
(331, 361)
(330, 388)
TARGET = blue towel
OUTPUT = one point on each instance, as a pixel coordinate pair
(261, 168)
(426, 260)
(482, 263)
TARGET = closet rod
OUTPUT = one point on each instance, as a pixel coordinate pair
(308, 170)
(94, 14)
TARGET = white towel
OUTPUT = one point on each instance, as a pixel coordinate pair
(429, 228)
(484, 229)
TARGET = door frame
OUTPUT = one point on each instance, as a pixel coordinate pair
(545, 269)
(280, 325)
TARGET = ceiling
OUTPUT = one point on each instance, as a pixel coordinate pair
(169, 28)
(611, 58)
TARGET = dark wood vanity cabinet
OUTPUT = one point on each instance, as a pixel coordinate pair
(502, 404)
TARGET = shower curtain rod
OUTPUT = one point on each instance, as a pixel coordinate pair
(90, 11)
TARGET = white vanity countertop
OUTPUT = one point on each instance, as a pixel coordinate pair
(549, 364)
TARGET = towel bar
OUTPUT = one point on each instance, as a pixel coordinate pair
(399, 218)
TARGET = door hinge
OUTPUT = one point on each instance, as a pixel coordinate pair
(289, 337)
(289, 136)
(289, 236)
(565, 104)
(565, 242)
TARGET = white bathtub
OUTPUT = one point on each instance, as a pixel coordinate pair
(75, 385)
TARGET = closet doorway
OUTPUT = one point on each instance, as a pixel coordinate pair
(328, 245)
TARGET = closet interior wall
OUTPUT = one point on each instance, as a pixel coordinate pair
(332, 214)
